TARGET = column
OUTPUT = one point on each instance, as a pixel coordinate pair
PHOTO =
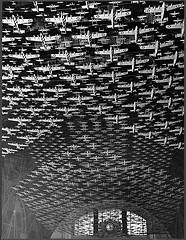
(124, 221)
(95, 221)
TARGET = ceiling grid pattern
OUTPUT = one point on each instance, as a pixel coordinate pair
(94, 92)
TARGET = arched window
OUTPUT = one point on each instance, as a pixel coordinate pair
(111, 221)
(136, 225)
(85, 225)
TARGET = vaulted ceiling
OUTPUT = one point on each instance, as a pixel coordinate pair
(93, 97)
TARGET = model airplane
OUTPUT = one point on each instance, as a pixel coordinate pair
(113, 75)
(18, 145)
(94, 88)
(79, 98)
(73, 19)
(175, 6)
(10, 131)
(126, 86)
(51, 121)
(74, 77)
(146, 71)
(15, 21)
(35, 78)
(100, 108)
(115, 96)
(152, 46)
(12, 100)
(20, 90)
(117, 118)
(12, 77)
(9, 39)
(8, 151)
(89, 35)
(112, 51)
(90, 5)
(145, 30)
(12, 68)
(112, 15)
(24, 56)
(21, 121)
(49, 68)
(161, 69)
(36, 7)
(127, 63)
(42, 38)
(141, 61)
(61, 19)
(57, 90)
(68, 55)
(4, 138)
(130, 32)
(28, 138)
(158, 9)
(34, 111)
(6, 108)
(67, 111)
(122, 13)
(166, 44)
(44, 99)
(179, 25)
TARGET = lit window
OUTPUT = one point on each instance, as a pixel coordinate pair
(136, 225)
(109, 214)
(84, 225)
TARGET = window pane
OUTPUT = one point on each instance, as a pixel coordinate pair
(84, 226)
(136, 225)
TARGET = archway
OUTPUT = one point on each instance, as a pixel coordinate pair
(114, 218)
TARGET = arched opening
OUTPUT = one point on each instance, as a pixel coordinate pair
(110, 219)
(110, 222)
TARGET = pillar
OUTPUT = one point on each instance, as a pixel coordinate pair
(124, 222)
(95, 221)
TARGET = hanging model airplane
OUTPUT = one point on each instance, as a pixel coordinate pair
(21, 121)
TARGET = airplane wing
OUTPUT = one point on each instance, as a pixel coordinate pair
(14, 119)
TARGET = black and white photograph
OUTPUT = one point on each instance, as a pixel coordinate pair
(92, 120)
